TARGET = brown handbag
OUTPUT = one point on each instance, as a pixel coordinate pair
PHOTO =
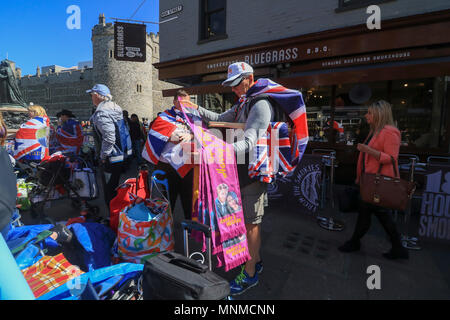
(386, 192)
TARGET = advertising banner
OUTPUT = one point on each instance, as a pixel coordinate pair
(130, 42)
(434, 211)
(302, 188)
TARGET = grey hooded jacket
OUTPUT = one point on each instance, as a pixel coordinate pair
(104, 120)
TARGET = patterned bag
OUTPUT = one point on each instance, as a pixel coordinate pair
(145, 229)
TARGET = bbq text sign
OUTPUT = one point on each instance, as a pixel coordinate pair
(130, 42)
(434, 211)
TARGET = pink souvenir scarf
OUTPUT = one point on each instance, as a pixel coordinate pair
(219, 201)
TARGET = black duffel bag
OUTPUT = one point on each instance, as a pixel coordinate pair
(172, 276)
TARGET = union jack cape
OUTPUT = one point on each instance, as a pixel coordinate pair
(158, 136)
(32, 140)
(70, 137)
(279, 151)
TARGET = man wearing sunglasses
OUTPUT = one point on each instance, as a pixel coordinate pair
(257, 116)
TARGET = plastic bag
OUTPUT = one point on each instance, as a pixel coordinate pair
(137, 240)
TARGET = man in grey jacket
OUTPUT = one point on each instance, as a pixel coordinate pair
(110, 152)
(257, 117)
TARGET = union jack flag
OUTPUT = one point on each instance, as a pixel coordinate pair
(32, 140)
(158, 136)
(279, 151)
(70, 137)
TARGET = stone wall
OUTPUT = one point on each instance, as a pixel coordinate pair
(57, 91)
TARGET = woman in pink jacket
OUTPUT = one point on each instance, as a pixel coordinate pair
(382, 142)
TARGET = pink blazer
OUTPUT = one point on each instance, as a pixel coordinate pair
(387, 141)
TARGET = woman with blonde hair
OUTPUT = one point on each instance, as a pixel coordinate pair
(32, 139)
(382, 143)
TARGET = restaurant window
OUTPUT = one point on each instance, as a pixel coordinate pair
(318, 110)
(419, 106)
(351, 101)
(420, 111)
(217, 102)
(212, 20)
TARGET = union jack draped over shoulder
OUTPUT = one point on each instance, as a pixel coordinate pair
(158, 136)
(70, 137)
(32, 139)
(279, 151)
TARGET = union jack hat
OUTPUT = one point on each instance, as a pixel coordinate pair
(236, 71)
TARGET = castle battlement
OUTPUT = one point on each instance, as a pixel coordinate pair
(58, 77)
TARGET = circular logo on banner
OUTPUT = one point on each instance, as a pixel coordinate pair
(307, 186)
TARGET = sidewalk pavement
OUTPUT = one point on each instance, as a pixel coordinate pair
(301, 260)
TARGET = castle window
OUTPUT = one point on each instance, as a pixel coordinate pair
(139, 88)
(111, 53)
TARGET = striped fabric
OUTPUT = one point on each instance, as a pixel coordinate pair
(158, 136)
(279, 151)
(32, 139)
(70, 137)
(272, 154)
(49, 273)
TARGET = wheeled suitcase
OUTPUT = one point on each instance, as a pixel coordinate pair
(172, 276)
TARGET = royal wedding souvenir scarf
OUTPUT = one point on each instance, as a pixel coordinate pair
(219, 198)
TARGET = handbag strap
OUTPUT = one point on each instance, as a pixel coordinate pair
(381, 165)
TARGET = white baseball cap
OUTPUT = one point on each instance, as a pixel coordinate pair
(236, 72)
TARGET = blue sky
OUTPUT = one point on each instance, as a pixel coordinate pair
(34, 32)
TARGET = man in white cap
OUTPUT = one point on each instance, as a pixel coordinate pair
(108, 124)
(257, 115)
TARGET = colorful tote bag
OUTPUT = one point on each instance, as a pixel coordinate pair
(145, 229)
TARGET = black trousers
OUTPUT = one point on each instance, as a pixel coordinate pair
(110, 174)
(178, 186)
(363, 222)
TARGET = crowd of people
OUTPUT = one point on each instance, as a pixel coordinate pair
(118, 136)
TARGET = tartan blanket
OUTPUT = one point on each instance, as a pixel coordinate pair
(49, 273)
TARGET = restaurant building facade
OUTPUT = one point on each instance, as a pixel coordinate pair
(340, 54)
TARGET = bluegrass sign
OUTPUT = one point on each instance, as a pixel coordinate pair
(130, 42)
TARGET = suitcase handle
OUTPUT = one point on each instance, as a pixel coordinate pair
(194, 225)
(186, 263)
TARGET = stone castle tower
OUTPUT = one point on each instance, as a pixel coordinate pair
(131, 83)
(134, 85)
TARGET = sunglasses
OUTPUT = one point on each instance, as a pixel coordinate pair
(238, 83)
